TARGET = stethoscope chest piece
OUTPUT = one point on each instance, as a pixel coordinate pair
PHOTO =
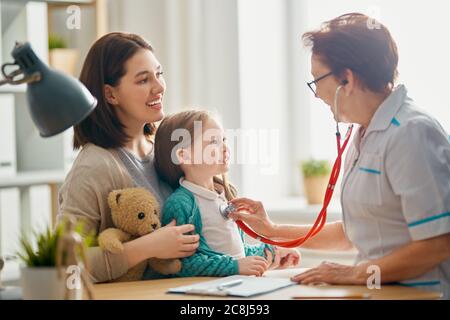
(225, 209)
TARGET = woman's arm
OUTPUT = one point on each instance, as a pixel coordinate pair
(166, 242)
(412, 260)
(331, 237)
(84, 196)
(407, 262)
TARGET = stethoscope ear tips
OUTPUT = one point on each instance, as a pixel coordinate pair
(344, 82)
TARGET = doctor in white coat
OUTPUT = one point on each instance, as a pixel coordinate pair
(396, 187)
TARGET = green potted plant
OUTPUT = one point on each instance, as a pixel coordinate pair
(315, 179)
(61, 57)
(39, 275)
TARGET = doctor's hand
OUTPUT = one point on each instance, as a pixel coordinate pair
(330, 273)
(253, 213)
(284, 258)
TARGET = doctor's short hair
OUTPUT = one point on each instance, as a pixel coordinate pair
(360, 43)
(105, 64)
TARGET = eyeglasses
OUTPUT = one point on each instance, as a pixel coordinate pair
(312, 85)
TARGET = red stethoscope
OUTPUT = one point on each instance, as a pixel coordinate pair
(322, 217)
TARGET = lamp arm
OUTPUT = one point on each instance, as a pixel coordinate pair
(4, 81)
(9, 78)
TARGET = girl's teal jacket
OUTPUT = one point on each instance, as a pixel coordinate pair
(182, 207)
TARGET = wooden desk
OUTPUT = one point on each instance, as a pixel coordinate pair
(156, 290)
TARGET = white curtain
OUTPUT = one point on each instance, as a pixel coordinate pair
(245, 60)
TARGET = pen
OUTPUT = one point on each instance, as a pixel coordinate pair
(229, 284)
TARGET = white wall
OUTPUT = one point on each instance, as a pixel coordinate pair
(263, 63)
(420, 29)
(245, 60)
(196, 42)
(220, 55)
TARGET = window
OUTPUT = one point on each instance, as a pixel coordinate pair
(421, 31)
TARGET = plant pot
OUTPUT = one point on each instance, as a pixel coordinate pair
(42, 283)
(315, 188)
(64, 60)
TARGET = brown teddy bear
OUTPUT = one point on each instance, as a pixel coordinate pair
(135, 212)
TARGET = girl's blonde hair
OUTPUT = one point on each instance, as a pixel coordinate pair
(168, 170)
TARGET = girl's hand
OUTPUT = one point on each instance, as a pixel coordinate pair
(252, 266)
(330, 273)
(284, 258)
(170, 241)
(254, 214)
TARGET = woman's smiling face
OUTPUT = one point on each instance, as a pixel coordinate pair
(139, 94)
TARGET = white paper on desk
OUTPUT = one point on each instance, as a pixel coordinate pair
(250, 286)
(284, 273)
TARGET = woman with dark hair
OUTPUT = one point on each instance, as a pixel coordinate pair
(116, 143)
(395, 193)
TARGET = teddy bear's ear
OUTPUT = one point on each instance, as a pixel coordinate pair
(113, 198)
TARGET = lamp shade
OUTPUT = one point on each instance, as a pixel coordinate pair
(57, 101)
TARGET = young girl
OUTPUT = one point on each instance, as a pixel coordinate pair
(192, 166)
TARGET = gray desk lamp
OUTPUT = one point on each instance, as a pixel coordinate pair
(56, 101)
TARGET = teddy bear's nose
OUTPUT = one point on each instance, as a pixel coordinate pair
(154, 225)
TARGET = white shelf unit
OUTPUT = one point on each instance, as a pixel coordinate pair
(32, 168)
(7, 142)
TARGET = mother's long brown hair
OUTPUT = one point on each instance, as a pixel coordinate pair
(105, 64)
